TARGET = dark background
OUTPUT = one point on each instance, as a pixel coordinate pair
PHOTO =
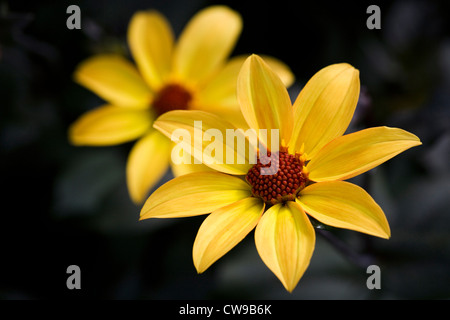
(64, 205)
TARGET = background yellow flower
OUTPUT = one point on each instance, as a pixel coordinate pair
(191, 73)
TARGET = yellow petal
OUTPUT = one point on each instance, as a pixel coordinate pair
(109, 125)
(223, 229)
(281, 69)
(194, 194)
(151, 41)
(205, 132)
(355, 153)
(206, 42)
(147, 162)
(344, 205)
(220, 92)
(233, 116)
(114, 79)
(187, 166)
(263, 98)
(285, 241)
(325, 107)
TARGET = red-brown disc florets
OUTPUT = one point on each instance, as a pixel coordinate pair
(171, 97)
(275, 186)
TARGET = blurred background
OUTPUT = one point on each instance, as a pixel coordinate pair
(63, 205)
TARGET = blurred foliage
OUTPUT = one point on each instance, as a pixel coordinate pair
(66, 205)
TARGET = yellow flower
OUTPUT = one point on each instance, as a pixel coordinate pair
(192, 73)
(313, 160)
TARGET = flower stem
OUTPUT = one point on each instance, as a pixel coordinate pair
(359, 259)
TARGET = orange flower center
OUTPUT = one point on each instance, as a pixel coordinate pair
(171, 97)
(280, 185)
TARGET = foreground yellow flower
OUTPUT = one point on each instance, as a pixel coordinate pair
(313, 160)
(192, 73)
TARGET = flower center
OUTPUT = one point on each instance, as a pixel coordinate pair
(278, 186)
(171, 97)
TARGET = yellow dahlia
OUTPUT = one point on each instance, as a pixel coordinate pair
(313, 159)
(191, 73)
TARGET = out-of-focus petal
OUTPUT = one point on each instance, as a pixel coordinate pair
(147, 162)
(151, 41)
(220, 92)
(205, 43)
(115, 79)
(109, 125)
